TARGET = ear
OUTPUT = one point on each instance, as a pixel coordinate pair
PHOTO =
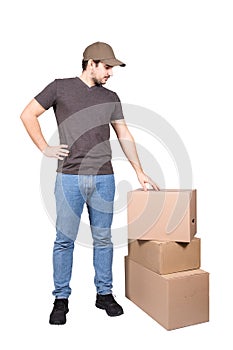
(91, 63)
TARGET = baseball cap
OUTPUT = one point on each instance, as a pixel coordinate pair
(103, 52)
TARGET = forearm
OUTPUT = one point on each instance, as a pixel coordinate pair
(33, 128)
(29, 118)
(129, 148)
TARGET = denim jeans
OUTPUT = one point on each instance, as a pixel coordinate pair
(72, 192)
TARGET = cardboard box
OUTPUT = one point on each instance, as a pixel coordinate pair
(166, 257)
(165, 215)
(175, 300)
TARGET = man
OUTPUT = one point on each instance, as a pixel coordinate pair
(84, 109)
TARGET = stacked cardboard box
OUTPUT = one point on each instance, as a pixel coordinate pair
(162, 269)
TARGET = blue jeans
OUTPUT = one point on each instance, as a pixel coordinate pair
(71, 193)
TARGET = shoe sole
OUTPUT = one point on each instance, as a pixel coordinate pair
(57, 323)
(100, 306)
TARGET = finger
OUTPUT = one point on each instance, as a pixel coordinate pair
(59, 157)
(63, 153)
(63, 146)
(153, 184)
(63, 150)
(144, 186)
(155, 187)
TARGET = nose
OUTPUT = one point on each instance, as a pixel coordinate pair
(110, 72)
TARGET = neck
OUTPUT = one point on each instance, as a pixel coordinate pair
(85, 77)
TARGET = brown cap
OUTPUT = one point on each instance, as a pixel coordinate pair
(103, 52)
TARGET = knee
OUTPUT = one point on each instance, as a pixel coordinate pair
(101, 237)
(63, 242)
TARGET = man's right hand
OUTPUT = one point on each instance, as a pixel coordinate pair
(58, 152)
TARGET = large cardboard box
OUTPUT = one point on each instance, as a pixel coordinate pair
(175, 300)
(166, 257)
(165, 215)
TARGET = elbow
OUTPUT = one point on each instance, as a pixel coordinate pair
(27, 116)
(23, 117)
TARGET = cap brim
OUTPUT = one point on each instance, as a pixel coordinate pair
(113, 62)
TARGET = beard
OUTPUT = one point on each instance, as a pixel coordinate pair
(96, 81)
(100, 82)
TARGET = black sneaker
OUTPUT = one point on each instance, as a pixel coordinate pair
(109, 304)
(58, 314)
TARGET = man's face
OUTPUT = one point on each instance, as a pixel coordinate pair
(101, 73)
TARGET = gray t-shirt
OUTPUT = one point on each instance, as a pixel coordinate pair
(83, 116)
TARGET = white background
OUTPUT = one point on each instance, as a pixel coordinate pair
(179, 64)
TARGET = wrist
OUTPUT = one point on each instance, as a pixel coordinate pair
(43, 148)
(138, 171)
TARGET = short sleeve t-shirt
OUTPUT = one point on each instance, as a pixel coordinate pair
(83, 116)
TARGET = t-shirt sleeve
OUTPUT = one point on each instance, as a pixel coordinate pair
(47, 97)
(118, 112)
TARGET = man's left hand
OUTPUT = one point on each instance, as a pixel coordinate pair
(145, 179)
